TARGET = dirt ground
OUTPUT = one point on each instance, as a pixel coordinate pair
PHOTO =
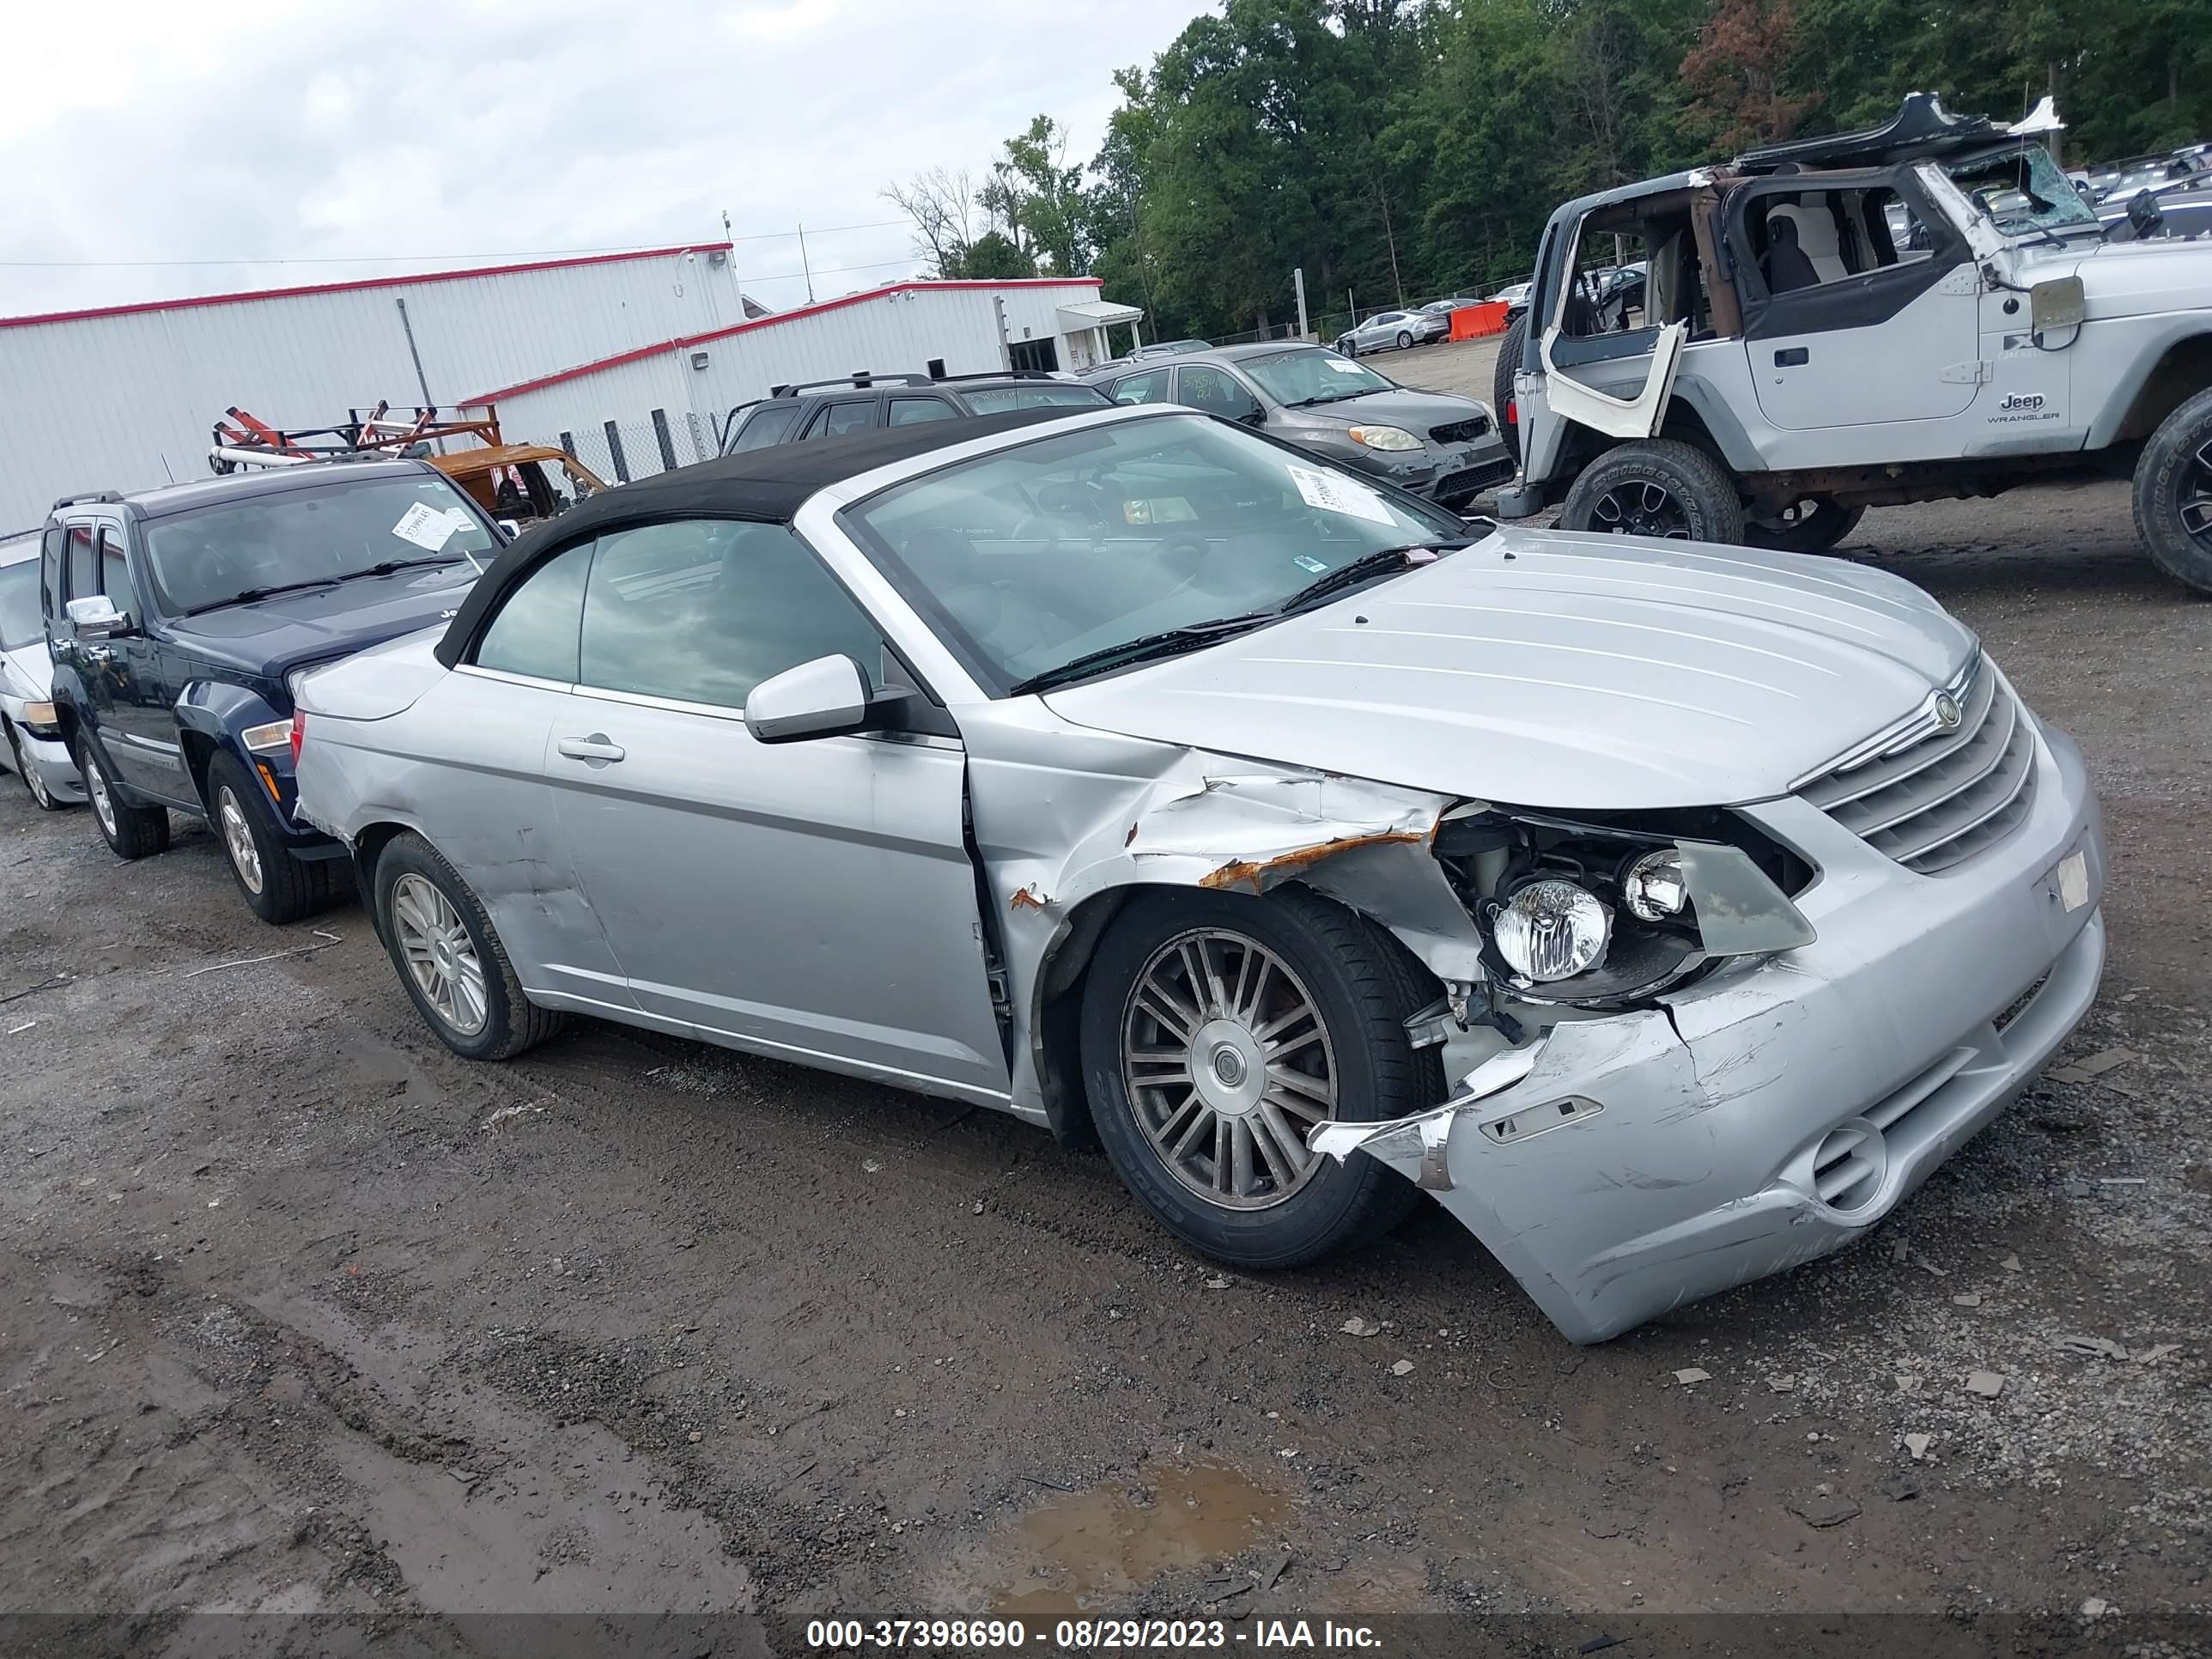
(303, 1314)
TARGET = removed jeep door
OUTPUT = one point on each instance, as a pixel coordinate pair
(1844, 326)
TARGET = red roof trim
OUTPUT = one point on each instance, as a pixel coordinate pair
(640, 353)
(362, 282)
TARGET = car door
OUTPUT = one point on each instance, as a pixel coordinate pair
(141, 675)
(812, 899)
(1854, 334)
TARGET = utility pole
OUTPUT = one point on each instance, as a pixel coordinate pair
(1298, 283)
(804, 266)
(735, 283)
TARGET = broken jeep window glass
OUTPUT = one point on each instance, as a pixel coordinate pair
(1033, 556)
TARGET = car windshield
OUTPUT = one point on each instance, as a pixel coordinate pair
(1309, 374)
(1030, 558)
(997, 399)
(2024, 190)
(20, 623)
(210, 555)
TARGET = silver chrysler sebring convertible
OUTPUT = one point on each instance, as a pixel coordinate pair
(1669, 912)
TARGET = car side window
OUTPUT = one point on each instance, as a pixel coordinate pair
(50, 571)
(83, 563)
(1150, 387)
(1201, 385)
(114, 569)
(906, 411)
(767, 426)
(836, 420)
(703, 610)
(536, 631)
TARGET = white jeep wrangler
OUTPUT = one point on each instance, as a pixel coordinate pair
(1923, 310)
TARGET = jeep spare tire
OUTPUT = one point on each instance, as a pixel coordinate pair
(1659, 487)
(1502, 404)
(2173, 494)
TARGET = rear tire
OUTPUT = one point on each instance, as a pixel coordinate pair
(130, 832)
(1267, 1202)
(1659, 487)
(1405, 340)
(1502, 400)
(41, 797)
(436, 931)
(278, 887)
(1819, 526)
(2173, 494)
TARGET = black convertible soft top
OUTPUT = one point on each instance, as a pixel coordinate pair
(768, 486)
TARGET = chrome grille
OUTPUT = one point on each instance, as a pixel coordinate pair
(1931, 798)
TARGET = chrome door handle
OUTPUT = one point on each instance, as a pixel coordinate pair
(596, 749)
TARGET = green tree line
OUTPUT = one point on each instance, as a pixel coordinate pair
(1400, 149)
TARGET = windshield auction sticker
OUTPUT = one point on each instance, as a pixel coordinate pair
(1334, 494)
(426, 527)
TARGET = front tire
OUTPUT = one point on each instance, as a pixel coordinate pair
(1812, 526)
(2173, 494)
(130, 832)
(1216, 1029)
(278, 887)
(441, 939)
(41, 797)
(1659, 487)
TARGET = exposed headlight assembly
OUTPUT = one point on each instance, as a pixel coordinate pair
(1384, 437)
(1600, 913)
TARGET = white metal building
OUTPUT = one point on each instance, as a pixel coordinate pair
(124, 397)
(670, 402)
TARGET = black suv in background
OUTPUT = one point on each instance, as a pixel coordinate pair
(862, 403)
(177, 617)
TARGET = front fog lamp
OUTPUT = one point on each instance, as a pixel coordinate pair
(1384, 437)
(1550, 930)
(1654, 888)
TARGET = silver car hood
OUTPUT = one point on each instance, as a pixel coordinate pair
(1542, 668)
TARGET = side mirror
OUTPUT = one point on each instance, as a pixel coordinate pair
(1255, 416)
(96, 618)
(509, 528)
(826, 698)
(2145, 216)
(2057, 305)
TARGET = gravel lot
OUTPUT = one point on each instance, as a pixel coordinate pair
(304, 1314)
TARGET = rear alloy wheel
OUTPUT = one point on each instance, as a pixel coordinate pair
(131, 832)
(279, 887)
(1813, 525)
(456, 971)
(42, 797)
(2173, 493)
(1218, 1031)
(1661, 488)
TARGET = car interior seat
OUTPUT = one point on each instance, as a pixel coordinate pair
(1814, 233)
(1786, 266)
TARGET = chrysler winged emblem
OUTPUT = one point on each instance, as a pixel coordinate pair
(1948, 712)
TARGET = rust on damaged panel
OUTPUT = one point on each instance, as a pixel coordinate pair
(1237, 872)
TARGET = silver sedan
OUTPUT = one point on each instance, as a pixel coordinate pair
(1667, 912)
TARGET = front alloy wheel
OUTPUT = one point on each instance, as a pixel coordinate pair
(1229, 1066)
(1218, 1031)
(238, 841)
(2173, 493)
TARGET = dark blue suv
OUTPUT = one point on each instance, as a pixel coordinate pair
(177, 617)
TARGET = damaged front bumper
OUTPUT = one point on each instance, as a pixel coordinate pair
(1624, 1165)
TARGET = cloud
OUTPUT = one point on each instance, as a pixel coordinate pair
(356, 141)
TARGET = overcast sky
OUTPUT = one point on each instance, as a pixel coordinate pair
(365, 139)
